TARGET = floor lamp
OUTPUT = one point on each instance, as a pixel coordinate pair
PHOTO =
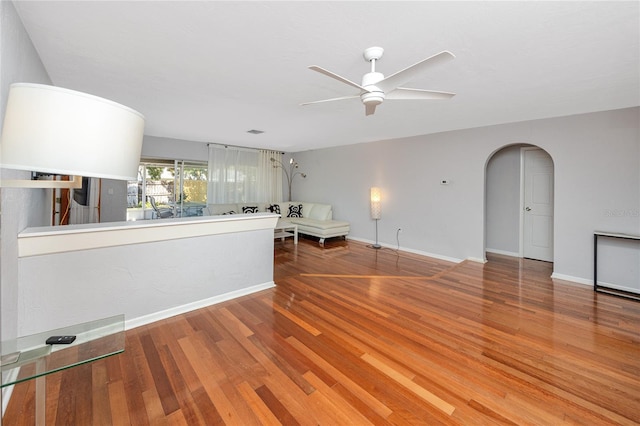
(63, 132)
(375, 211)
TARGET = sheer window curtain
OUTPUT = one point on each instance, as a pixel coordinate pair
(240, 175)
(270, 181)
(79, 214)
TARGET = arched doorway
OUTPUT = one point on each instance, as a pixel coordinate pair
(519, 202)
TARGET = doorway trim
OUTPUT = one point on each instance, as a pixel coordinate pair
(521, 206)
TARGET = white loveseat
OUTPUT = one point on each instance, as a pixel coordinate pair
(313, 219)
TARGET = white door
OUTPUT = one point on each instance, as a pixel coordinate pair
(537, 241)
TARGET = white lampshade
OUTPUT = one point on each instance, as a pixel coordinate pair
(376, 195)
(60, 131)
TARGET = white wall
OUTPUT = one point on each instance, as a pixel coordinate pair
(19, 62)
(597, 169)
(174, 149)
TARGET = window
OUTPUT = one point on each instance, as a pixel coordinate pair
(179, 185)
(191, 197)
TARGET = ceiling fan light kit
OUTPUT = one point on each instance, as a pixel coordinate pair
(375, 88)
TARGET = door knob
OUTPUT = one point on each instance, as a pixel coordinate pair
(528, 209)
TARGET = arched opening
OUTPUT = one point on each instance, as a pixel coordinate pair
(519, 188)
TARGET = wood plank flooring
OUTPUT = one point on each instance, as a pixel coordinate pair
(356, 336)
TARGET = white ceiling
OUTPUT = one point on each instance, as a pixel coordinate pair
(210, 71)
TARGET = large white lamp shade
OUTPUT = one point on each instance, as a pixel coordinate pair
(60, 131)
(376, 195)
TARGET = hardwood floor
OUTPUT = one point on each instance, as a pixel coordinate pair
(352, 335)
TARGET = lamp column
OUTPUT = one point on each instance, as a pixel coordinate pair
(375, 211)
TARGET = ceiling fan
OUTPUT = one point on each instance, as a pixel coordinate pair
(375, 88)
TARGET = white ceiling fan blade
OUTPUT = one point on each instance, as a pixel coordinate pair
(403, 76)
(404, 93)
(336, 77)
(369, 109)
(332, 99)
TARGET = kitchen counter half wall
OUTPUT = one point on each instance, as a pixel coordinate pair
(145, 270)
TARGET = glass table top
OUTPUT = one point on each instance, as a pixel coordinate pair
(28, 357)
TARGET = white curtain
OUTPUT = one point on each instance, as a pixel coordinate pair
(270, 177)
(233, 173)
(241, 175)
(86, 214)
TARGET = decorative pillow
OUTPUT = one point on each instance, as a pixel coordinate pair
(274, 208)
(295, 210)
(249, 209)
(229, 212)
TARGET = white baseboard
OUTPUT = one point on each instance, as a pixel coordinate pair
(589, 282)
(577, 280)
(408, 250)
(619, 287)
(503, 252)
(555, 275)
(167, 313)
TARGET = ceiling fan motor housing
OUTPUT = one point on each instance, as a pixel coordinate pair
(374, 96)
(371, 79)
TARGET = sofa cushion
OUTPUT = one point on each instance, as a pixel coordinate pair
(318, 212)
(249, 209)
(318, 224)
(295, 210)
(306, 208)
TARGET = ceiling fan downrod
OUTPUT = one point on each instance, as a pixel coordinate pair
(374, 96)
